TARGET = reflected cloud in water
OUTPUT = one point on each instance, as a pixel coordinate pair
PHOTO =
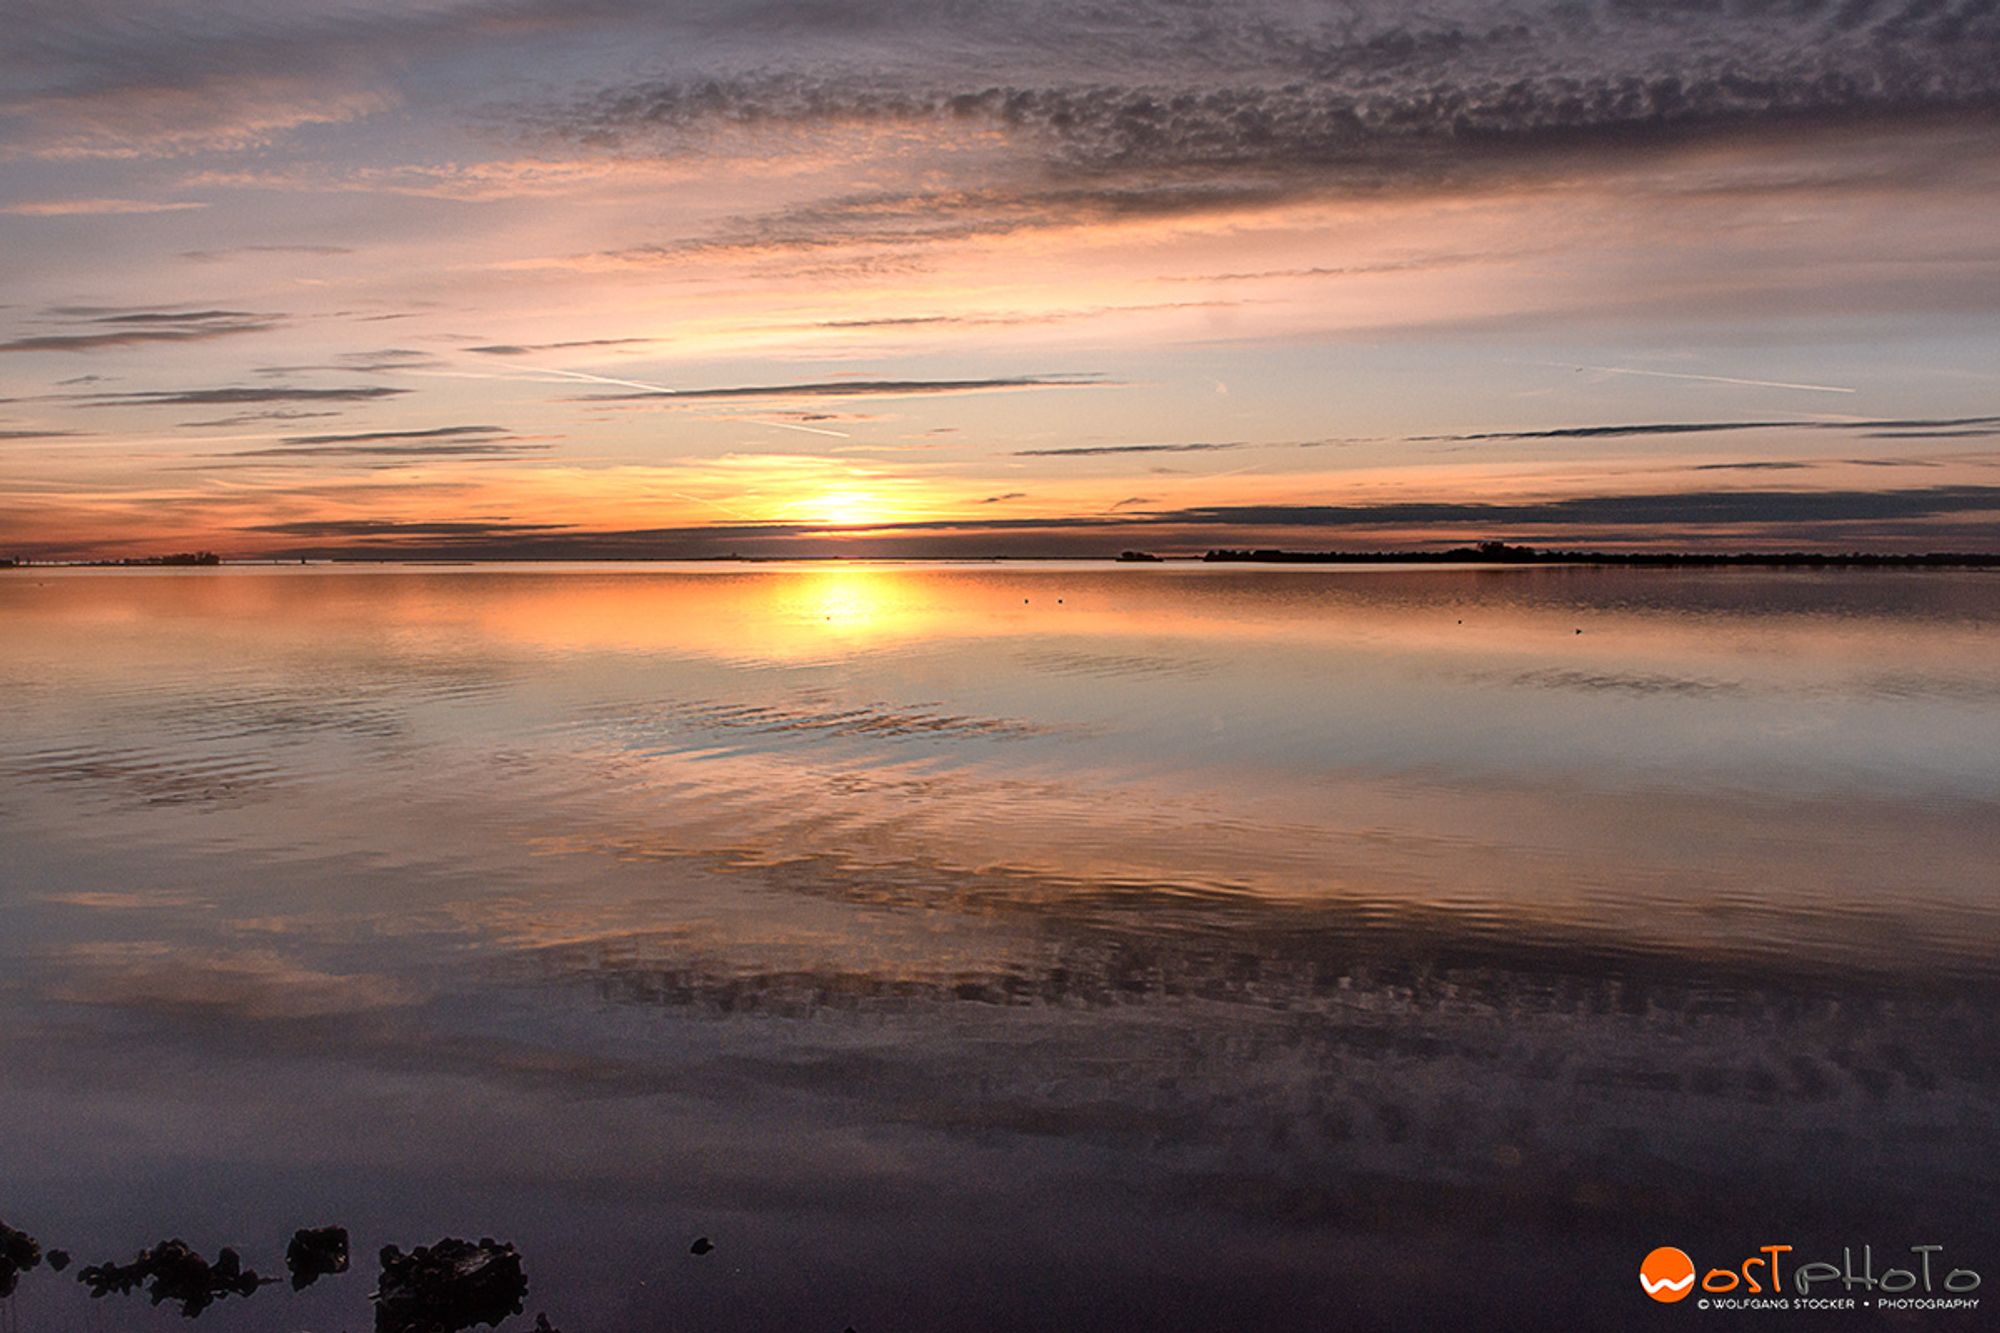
(1119, 947)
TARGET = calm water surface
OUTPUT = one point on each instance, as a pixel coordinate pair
(1051, 947)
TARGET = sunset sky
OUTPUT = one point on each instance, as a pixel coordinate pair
(627, 277)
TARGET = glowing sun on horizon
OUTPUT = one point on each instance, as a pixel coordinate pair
(846, 509)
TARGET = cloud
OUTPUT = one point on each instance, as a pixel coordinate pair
(1366, 90)
(1214, 109)
(88, 328)
(504, 448)
(15, 435)
(1888, 430)
(1968, 434)
(1100, 450)
(250, 418)
(1023, 317)
(865, 388)
(1028, 115)
(382, 436)
(1619, 432)
(235, 396)
(217, 256)
(66, 208)
(917, 217)
(1364, 129)
(1920, 424)
(381, 359)
(169, 317)
(1002, 499)
(1668, 509)
(1414, 264)
(525, 349)
(251, 985)
(887, 322)
(91, 79)
(394, 528)
(439, 443)
(1755, 516)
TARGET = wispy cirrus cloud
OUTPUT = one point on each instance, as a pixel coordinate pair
(1667, 509)
(71, 208)
(396, 436)
(234, 251)
(1110, 450)
(254, 418)
(91, 328)
(238, 395)
(863, 388)
(397, 528)
(528, 349)
(429, 444)
(1015, 318)
(1878, 429)
(485, 450)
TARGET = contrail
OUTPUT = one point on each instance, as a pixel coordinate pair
(810, 430)
(602, 379)
(1712, 379)
(532, 374)
(714, 504)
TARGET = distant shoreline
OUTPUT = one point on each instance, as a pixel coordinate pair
(1500, 553)
(1486, 553)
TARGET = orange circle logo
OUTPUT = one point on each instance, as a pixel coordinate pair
(1667, 1275)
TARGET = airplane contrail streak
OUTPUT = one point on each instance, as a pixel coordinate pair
(714, 504)
(1711, 379)
(589, 378)
(810, 430)
(531, 375)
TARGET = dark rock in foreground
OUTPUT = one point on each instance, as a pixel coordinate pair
(19, 1253)
(448, 1286)
(171, 1271)
(316, 1253)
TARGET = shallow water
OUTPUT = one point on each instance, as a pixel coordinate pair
(999, 946)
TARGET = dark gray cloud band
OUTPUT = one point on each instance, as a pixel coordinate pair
(1110, 450)
(238, 396)
(1876, 429)
(1214, 108)
(860, 388)
(395, 436)
(92, 328)
(1944, 514)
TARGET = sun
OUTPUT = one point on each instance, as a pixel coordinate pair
(846, 509)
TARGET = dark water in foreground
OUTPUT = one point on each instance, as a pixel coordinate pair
(1001, 948)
